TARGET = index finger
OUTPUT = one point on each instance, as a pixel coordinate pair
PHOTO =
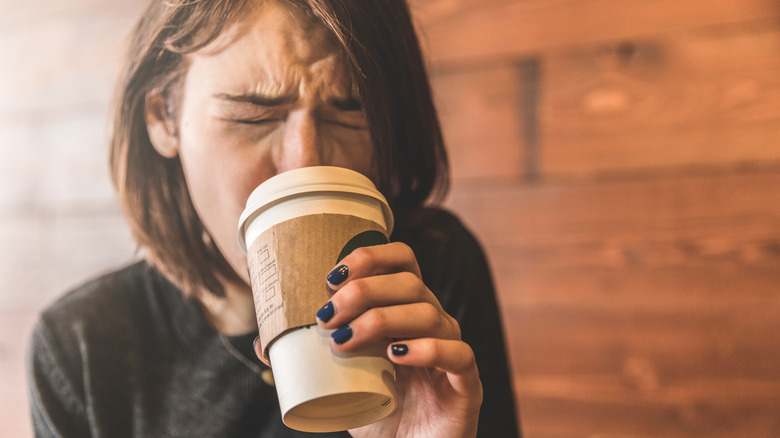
(369, 261)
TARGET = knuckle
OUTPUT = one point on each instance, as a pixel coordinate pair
(467, 362)
(455, 326)
(431, 316)
(471, 362)
(364, 255)
(355, 291)
(406, 253)
(434, 349)
(376, 320)
(405, 249)
(413, 282)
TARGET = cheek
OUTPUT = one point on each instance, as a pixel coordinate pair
(220, 180)
(222, 168)
(224, 162)
(354, 151)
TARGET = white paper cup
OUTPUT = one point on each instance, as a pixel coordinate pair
(293, 229)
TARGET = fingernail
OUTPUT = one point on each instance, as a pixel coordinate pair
(338, 275)
(326, 312)
(399, 349)
(342, 335)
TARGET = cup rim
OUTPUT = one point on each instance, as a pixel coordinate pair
(307, 180)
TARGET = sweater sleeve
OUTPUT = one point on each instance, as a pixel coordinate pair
(57, 410)
(454, 267)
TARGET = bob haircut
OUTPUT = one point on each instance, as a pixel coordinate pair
(378, 39)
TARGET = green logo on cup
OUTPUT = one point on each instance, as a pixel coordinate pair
(366, 238)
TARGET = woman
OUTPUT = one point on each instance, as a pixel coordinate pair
(217, 97)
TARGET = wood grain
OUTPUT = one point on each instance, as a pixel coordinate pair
(14, 411)
(462, 31)
(483, 121)
(58, 56)
(702, 99)
(575, 419)
(651, 305)
(612, 214)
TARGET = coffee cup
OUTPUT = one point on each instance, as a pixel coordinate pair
(295, 228)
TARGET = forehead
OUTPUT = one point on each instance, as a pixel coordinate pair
(276, 24)
(275, 43)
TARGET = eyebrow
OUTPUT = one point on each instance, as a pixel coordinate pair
(346, 104)
(258, 99)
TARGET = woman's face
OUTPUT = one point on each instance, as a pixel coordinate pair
(271, 94)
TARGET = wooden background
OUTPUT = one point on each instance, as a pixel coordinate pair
(619, 160)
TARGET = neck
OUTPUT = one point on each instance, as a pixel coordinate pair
(233, 314)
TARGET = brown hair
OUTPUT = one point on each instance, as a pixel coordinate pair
(378, 38)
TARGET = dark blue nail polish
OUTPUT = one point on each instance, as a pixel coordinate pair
(399, 349)
(326, 312)
(338, 275)
(342, 335)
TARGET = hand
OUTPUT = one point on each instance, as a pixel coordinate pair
(379, 297)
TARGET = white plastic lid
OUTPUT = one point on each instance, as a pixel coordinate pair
(316, 180)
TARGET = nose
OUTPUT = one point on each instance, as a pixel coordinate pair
(301, 145)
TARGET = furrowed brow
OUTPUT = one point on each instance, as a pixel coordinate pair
(258, 99)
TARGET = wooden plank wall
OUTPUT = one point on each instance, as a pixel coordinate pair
(59, 220)
(619, 161)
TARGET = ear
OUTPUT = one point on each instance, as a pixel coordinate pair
(161, 129)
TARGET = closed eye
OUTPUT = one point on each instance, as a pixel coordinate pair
(353, 126)
(346, 104)
(252, 121)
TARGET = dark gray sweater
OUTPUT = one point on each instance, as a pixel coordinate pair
(126, 355)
